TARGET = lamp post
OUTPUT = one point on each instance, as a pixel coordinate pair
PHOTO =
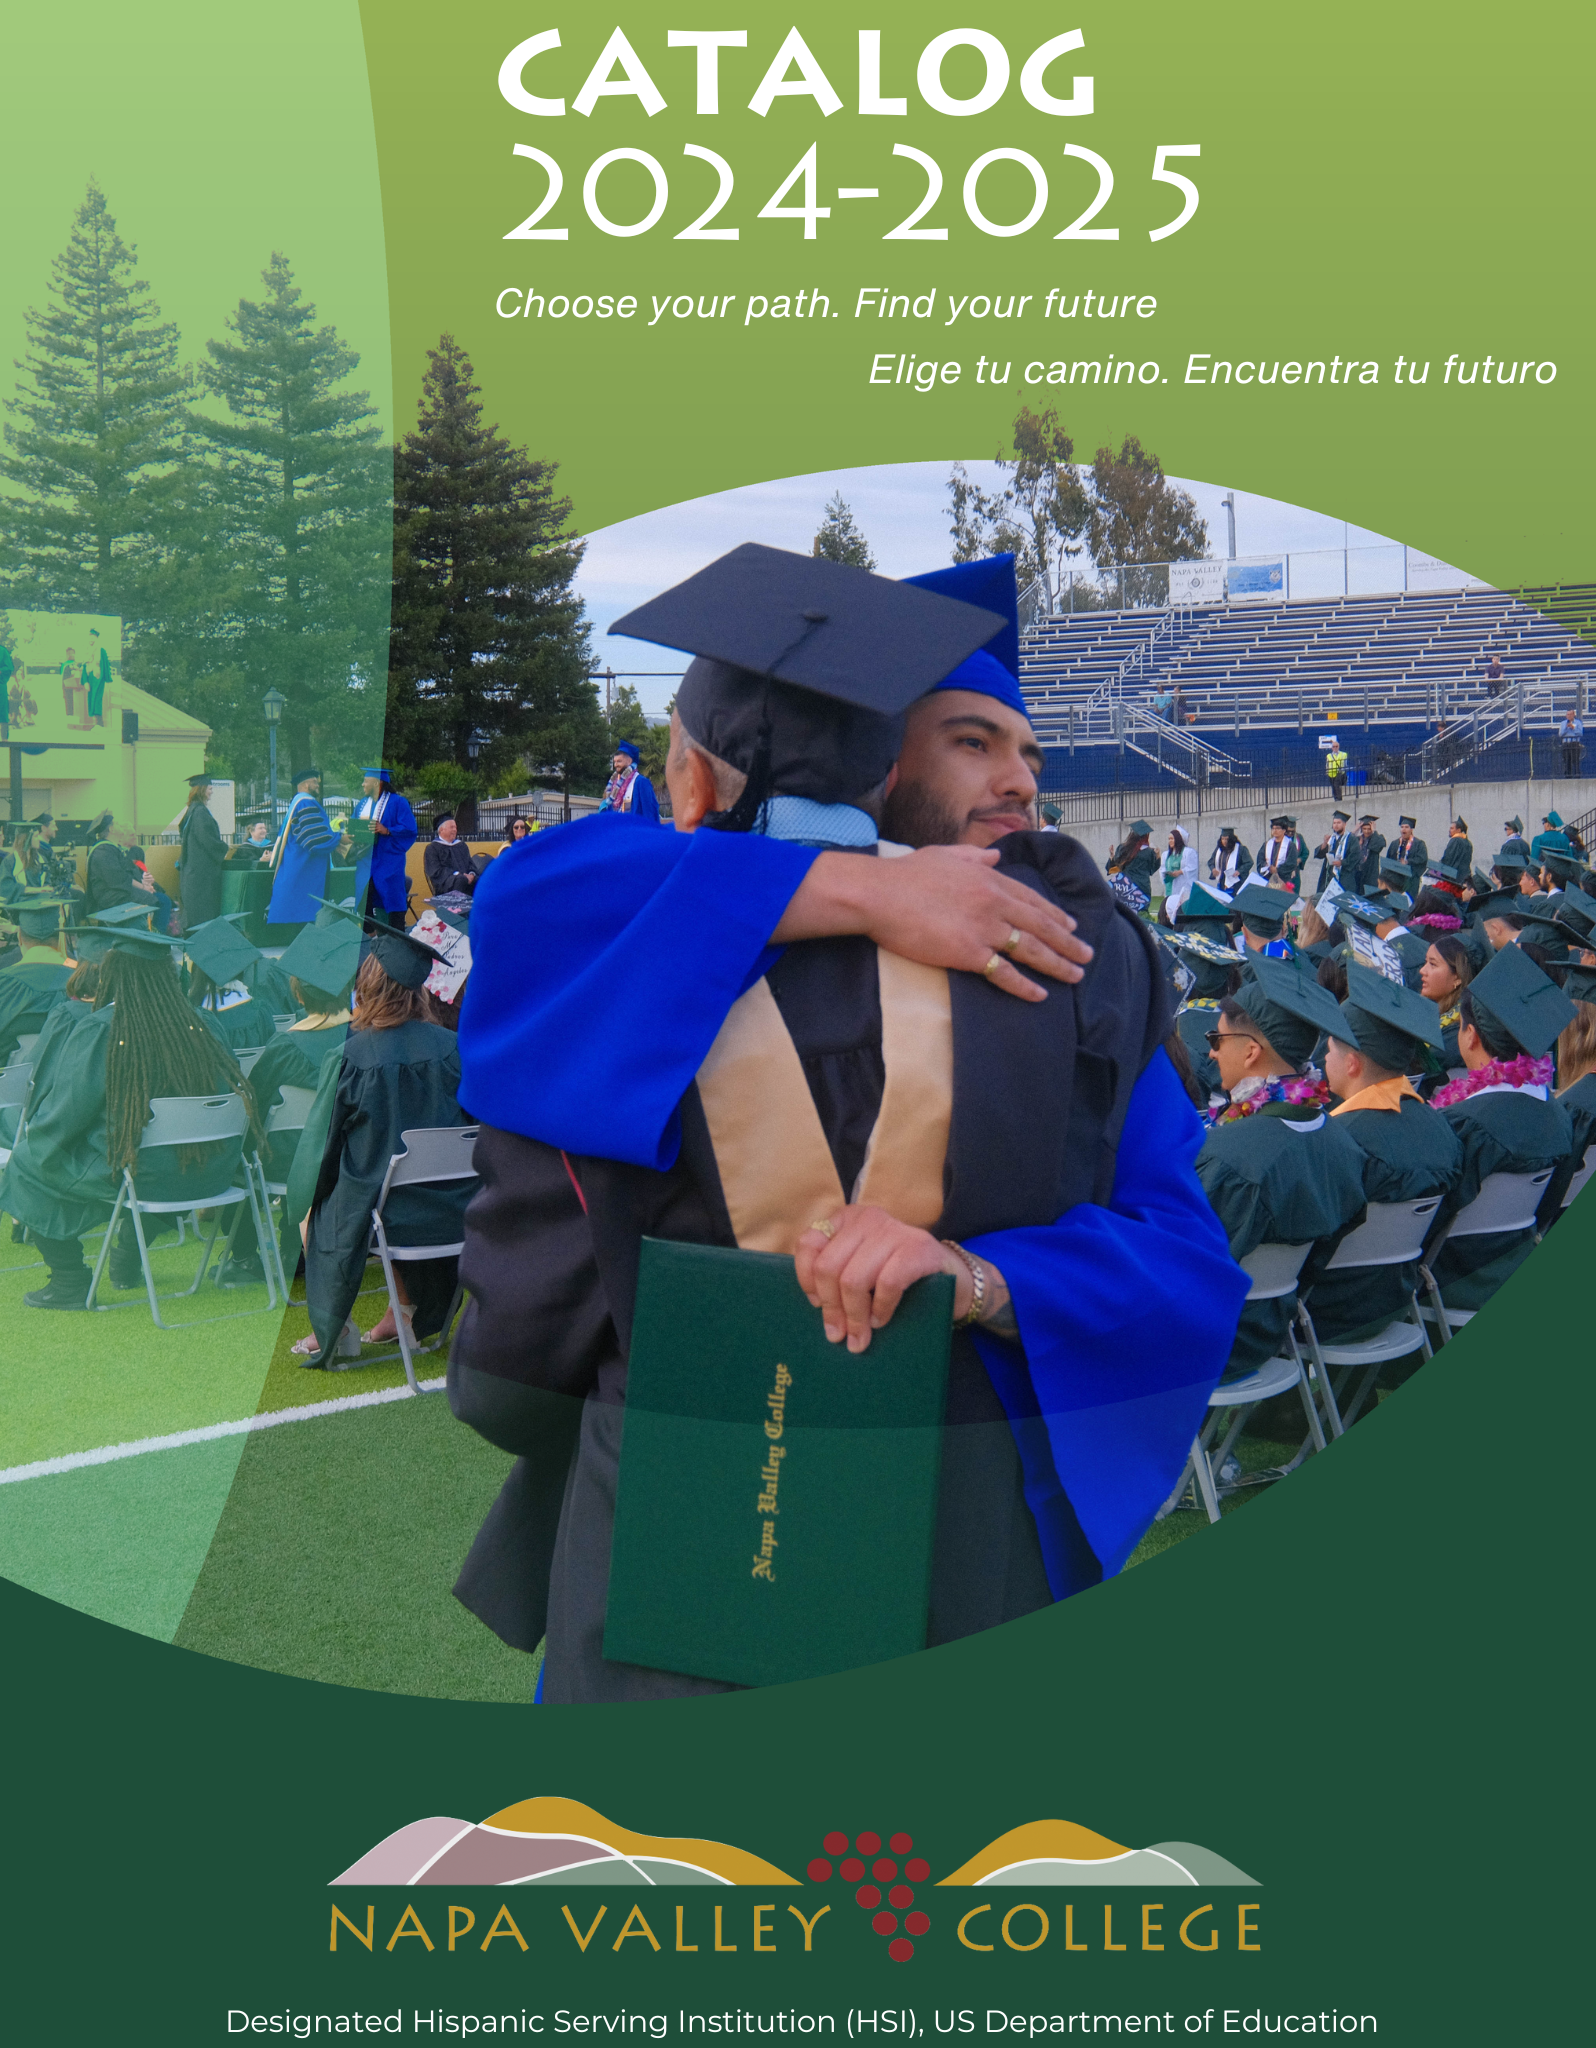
(274, 703)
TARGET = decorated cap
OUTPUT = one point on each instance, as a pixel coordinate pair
(1202, 906)
(1285, 999)
(1263, 910)
(1363, 911)
(992, 670)
(402, 958)
(1389, 1022)
(1511, 991)
(1200, 947)
(219, 949)
(324, 955)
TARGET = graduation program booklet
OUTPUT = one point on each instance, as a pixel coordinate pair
(363, 362)
(777, 1497)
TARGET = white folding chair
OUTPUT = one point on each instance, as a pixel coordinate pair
(1582, 1174)
(290, 1114)
(1273, 1269)
(1391, 1234)
(185, 1120)
(246, 1056)
(14, 1083)
(429, 1157)
(25, 1045)
(1506, 1203)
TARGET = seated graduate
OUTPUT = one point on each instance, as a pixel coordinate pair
(1576, 1092)
(36, 980)
(1074, 1258)
(1258, 917)
(110, 877)
(320, 965)
(1274, 1167)
(1215, 973)
(219, 957)
(1410, 1151)
(400, 1071)
(1503, 1111)
(1448, 969)
(94, 1078)
(1576, 919)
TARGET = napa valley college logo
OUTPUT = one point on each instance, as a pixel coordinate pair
(567, 1850)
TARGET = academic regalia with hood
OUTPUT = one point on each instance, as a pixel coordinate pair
(108, 880)
(1229, 866)
(301, 858)
(402, 1078)
(381, 865)
(200, 864)
(1072, 1186)
(1505, 1127)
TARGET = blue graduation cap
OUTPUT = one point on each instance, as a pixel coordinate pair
(992, 670)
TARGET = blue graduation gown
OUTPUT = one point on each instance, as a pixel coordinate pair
(383, 864)
(308, 840)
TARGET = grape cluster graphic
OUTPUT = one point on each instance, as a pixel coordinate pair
(887, 1896)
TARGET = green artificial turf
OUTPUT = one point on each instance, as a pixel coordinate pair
(337, 1548)
(123, 1542)
(1253, 1456)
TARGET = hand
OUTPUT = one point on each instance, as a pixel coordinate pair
(942, 906)
(857, 1277)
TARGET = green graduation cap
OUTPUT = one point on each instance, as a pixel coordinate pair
(1200, 947)
(1391, 1023)
(220, 950)
(1397, 871)
(1528, 1006)
(1140, 829)
(1202, 906)
(1513, 825)
(1263, 910)
(1509, 863)
(118, 914)
(1495, 903)
(1363, 911)
(324, 956)
(129, 938)
(1576, 918)
(38, 917)
(1290, 1007)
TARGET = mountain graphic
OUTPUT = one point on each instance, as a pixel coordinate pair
(551, 1841)
(1061, 1852)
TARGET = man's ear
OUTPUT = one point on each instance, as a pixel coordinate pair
(691, 782)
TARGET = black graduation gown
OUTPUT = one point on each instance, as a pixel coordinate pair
(1509, 1132)
(403, 1078)
(1409, 1153)
(539, 1362)
(1360, 866)
(293, 1059)
(1219, 860)
(1415, 853)
(203, 855)
(1287, 1175)
(1515, 844)
(1285, 870)
(29, 991)
(108, 880)
(1457, 857)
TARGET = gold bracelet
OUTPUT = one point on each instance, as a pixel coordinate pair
(977, 1273)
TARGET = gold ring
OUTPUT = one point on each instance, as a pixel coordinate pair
(992, 965)
(824, 1228)
(1011, 944)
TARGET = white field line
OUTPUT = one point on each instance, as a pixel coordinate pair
(108, 1454)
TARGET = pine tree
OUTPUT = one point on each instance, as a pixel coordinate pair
(839, 538)
(299, 506)
(95, 438)
(488, 649)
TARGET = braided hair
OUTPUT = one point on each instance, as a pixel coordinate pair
(159, 1047)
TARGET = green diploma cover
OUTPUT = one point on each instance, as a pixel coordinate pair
(777, 1494)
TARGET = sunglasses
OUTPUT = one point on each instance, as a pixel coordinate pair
(1218, 1038)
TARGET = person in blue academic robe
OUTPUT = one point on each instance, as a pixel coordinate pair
(384, 829)
(1111, 1301)
(629, 790)
(302, 855)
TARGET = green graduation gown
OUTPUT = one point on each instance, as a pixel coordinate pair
(1457, 857)
(293, 1059)
(1409, 1153)
(404, 1078)
(1415, 853)
(246, 1023)
(1579, 1102)
(1360, 864)
(1288, 1175)
(1412, 949)
(29, 990)
(1508, 1130)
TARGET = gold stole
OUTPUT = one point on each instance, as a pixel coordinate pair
(776, 1169)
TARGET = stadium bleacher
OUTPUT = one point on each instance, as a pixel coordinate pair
(1268, 676)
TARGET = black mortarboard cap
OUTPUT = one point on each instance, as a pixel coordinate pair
(1290, 1006)
(199, 781)
(1406, 820)
(324, 956)
(1398, 870)
(1263, 910)
(130, 939)
(1389, 1021)
(1514, 861)
(820, 626)
(219, 949)
(38, 917)
(804, 667)
(1510, 990)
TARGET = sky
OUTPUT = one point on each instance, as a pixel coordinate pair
(902, 510)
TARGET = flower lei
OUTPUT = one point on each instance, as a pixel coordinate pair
(1308, 1089)
(1437, 921)
(1518, 1072)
